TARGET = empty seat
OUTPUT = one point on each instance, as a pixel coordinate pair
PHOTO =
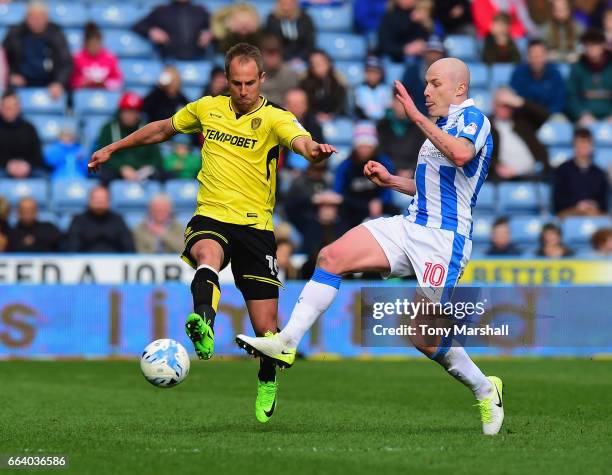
(127, 44)
(74, 37)
(49, 126)
(352, 71)
(487, 199)
(394, 71)
(556, 133)
(481, 229)
(519, 197)
(12, 13)
(193, 93)
(544, 196)
(140, 72)
(95, 101)
(578, 229)
(71, 196)
(558, 155)
(130, 196)
(194, 73)
(68, 14)
(16, 189)
(483, 99)
(462, 46)
(338, 131)
(90, 130)
(39, 101)
(501, 74)
(342, 46)
(332, 18)
(133, 218)
(183, 193)
(526, 229)
(117, 15)
(602, 133)
(479, 75)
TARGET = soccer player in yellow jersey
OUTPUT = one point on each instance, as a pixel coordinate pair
(243, 133)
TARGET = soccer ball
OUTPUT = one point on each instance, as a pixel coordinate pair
(164, 363)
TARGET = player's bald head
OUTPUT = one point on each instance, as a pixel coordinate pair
(447, 83)
(452, 68)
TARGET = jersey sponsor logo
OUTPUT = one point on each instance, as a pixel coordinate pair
(470, 129)
(224, 137)
(216, 116)
(255, 123)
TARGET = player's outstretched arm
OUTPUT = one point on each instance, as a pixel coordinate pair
(458, 150)
(377, 173)
(154, 132)
(311, 150)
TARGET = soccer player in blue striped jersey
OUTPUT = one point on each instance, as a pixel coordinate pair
(433, 241)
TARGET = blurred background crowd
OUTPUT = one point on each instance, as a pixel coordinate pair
(78, 75)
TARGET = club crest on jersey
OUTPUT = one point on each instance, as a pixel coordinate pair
(255, 123)
(470, 129)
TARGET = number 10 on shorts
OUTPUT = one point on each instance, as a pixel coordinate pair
(434, 274)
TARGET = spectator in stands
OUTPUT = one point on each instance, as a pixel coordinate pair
(235, 24)
(286, 269)
(280, 76)
(67, 158)
(518, 154)
(296, 102)
(499, 47)
(373, 96)
(538, 80)
(20, 153)
(160, 232)
(416, 67)
(551, 243)
(400, 33)
(5, 209)
(561, 33)
(539, 11)
(400, 139)
(94, 65)
(521, 25)
(590, 82)
(580, 187)
(217, 83)
(368, 14)
(299, 205)
(601, 240)
(30, 234)
(607, 28)
(99, 230)
(37, 52)
(182, 162)
(134, 164)
(326, 93)
(166, 97)
(455, 16)
(501, 240)
(294, 28)
(179, 29)
(361, 198)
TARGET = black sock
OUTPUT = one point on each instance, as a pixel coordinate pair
(267, 370)
(206, 293)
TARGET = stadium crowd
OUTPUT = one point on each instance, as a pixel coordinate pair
(77, 76)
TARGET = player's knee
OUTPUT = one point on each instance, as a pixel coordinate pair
(330, 259)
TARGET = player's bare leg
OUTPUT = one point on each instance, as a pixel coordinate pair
(206, 293)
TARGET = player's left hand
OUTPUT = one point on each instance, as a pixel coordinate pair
(402, 95)
(322, 151)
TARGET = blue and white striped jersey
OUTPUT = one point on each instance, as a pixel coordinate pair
(445, 192)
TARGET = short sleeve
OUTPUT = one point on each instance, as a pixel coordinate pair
(476, 128)
(187, 120)
(287, 128)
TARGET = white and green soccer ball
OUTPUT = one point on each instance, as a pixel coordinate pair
(164, 363)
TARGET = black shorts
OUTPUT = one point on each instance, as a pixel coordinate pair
(251, 251)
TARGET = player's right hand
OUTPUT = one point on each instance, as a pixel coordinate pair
(98, 158)
(377, 173)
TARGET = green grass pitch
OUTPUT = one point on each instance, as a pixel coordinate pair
(347, 416)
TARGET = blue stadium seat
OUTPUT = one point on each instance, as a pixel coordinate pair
(90, 130)
(183, 218)
(338, 131)
(68, 14)
(95, 101)
(558, 155)
(501, 74)
(394, 71)
(525, 230)
(556, 133)
(481, 229)
(337, 158)
(131, 196)
(564, 70)
(14, 190)
(39, 101)
(117, 15)
(183, 194)
(487, 199)
(264, 8)
(140, 72)
(3, 32)
(63, 221)
(342, 46)
(479, 75)
(462, 46)
(352, 71)
(74, 37)
(133, 218)
(47, 216)
(545, 196)
(214, 5)
(578, 230)
(518, 197)
(194, 73)
(602, 133)
(49, 126)
(12, 13)
(603, 158)
(193, 93)
(127, 44)
(326, 18)
(483, 99)
(70, 196)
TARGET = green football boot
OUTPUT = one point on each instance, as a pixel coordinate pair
(201, 334)
(266, 400)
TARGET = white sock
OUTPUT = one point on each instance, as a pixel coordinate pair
(461, 367)
(316, 297)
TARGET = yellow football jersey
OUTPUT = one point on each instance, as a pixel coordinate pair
(239, 157)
